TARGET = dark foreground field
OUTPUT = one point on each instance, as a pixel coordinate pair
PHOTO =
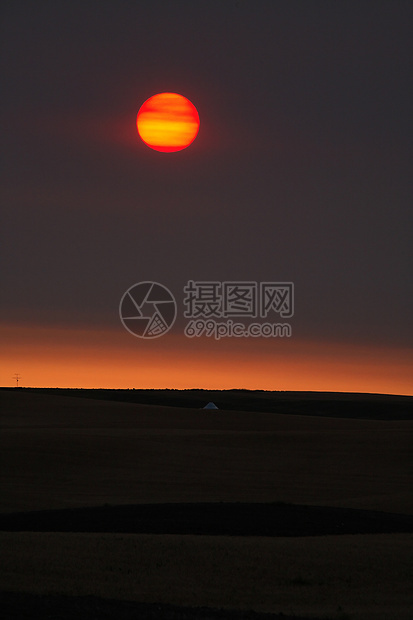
(19, 606)
(122, 510)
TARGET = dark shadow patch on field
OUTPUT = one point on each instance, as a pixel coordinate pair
(218, 519)
(22, 606)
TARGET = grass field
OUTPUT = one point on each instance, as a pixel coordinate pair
(61, 452)
(361, 576)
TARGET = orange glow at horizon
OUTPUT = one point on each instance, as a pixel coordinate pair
(167, 122)
(58, 357)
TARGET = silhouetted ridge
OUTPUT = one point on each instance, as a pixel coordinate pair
(220, 519)
(325, 404)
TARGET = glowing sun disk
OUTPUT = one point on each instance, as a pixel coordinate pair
(167, 122)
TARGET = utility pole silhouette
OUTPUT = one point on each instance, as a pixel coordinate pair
(17, 377)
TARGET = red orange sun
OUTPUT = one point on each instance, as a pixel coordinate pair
(168, 122)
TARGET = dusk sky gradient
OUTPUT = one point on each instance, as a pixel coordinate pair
(301, 172)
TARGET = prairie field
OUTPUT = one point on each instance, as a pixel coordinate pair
(275, 513)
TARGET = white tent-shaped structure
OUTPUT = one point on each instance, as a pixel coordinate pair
(211, 405)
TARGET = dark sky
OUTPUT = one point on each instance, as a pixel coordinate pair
(301, 170)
